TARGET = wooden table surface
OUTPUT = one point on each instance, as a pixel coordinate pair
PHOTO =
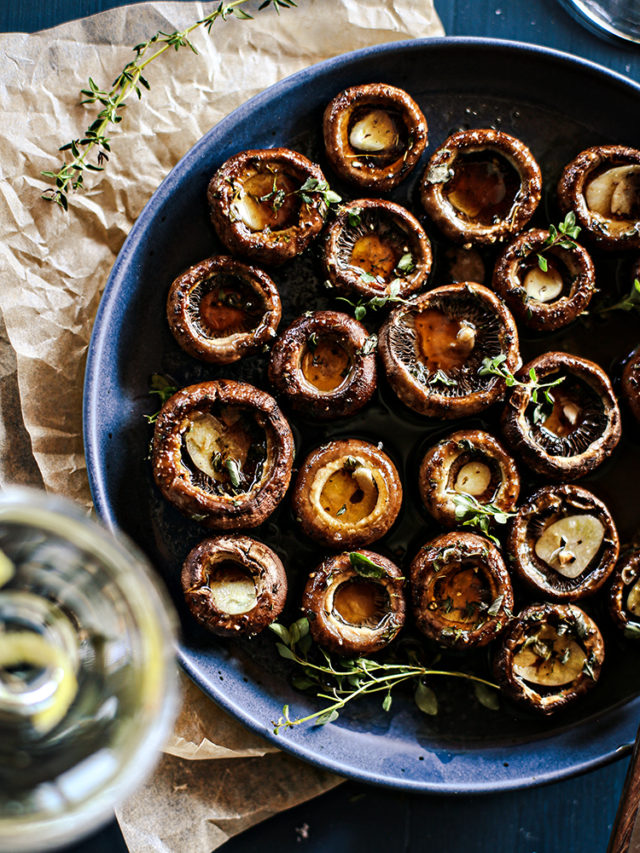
(574, 816)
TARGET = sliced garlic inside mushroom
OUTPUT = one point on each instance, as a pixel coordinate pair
(473, 478)
(569, 545)
(233, 591)
(252, 212)
(615, 192)
(633, 599)
(550, 660)
(376, 131)
(543, 286)
(202, 441)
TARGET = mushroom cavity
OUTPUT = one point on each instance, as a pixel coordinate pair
(570, 429)
(432, 349)
(481, 186)
(461, 590)
(374, 135)
(220, 310)
(631, 383)
(234, 585)
(374, 247)
(268, 205)
(222, 453)
(348, 493)
(545, 286)
(355, 602)
(602, 187)
(550, 655)
(468, 462)
(563, 542)
(324, 365)
(624, 596)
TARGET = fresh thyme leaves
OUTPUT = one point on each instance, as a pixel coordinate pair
(361, 307)
(277, 196)
(564, 236)
(354, 217)
(366, 567)
(342, 510)
(472, 513)
(440, 377)
(540, 393)
(320, 188)
(369, 345)
(164, 387)
(70, 175)
(406, 264)
(234, 471)
(485, 696)
(631, 302)
(339, 681)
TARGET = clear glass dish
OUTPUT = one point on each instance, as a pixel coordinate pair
(88, 687)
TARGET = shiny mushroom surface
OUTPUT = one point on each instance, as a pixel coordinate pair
(545, 286)
(374, 247)
(550, 655)
(576, 431)
(432, 350)
(348, 493)
(624, 596)
(324, 365)
(222, 453)
(563, 543)
(374, 135)
(602, 187)
(234, 585)
(467, 462)
(631, 383)
(267, 205)
(220, 310)
(461, 590)
(355, 603)
(481, 186)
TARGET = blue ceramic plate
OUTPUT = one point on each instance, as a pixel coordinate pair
(557, 105)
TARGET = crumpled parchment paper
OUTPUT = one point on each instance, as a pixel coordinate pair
(211, 784)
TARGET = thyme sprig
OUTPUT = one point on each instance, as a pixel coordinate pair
(164, 387)
(631, 302)
(70, 175)
(564, 236)
(539, 391)
(340, 681)
(374, 303)
(470, 512)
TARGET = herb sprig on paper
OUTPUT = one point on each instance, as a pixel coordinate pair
(339, 681)
(70, 175)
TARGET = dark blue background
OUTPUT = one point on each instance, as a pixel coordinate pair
(575, 815)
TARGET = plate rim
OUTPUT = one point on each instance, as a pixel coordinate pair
(91, 393)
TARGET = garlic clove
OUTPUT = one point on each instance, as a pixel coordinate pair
(569, 545)
(543, 286)
(375, 132)
(473, 478)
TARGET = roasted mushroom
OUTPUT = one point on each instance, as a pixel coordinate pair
(481, 186)
(563, 542)
(624, 596)
(222, 453)
(355, 603)
(461, 590)
(545, 284)
(234, 585)
(602, 187)
(550, 655)
(374, 135)
(376, 247)
(631, 383)
(432, 349)
(324, 365)
(348, 493)
(268, 205)
(568, 431)
(220, 310)
(467, 462)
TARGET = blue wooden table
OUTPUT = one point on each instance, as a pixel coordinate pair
(574, 816)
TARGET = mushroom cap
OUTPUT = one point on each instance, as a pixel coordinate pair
(286, 372)
(623, 595)
(190, 289)
(356, 166)
(259, 562)
(191, 494)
